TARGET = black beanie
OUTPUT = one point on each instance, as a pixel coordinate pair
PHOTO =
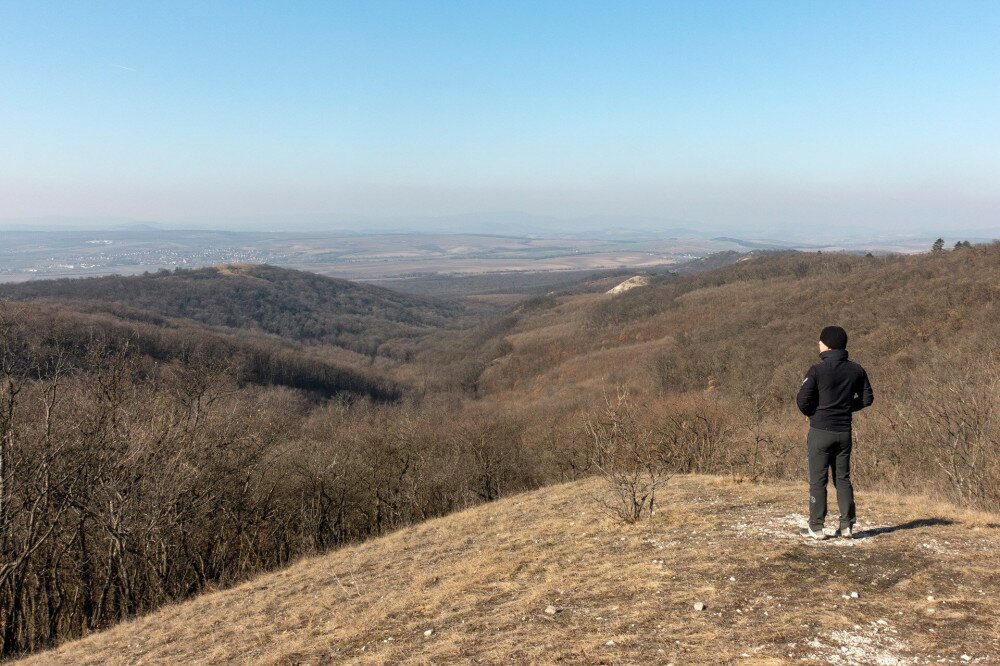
(834, 337)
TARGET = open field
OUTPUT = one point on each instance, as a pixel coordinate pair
(32, 255)
(28, 255)
(481, 582)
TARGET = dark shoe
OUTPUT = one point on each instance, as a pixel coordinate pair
(809, 534)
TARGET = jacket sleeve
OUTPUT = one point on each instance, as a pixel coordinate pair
(864, 396)
(808, 397)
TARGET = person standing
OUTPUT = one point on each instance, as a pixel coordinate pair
(831, 392)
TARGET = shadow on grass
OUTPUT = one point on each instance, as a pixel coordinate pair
(911, 525)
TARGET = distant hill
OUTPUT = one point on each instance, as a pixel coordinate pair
(720, 260)
(755, 314)
(756, 245)
(274, 326)
(248, 358)
(545, 577)
(295, 305)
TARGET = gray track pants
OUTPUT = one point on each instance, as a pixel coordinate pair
(830, 450)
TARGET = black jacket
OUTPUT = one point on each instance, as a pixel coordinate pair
(833, 390)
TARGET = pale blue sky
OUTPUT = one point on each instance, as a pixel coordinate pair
(744, 114)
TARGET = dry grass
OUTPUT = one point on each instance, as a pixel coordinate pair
(482, 579)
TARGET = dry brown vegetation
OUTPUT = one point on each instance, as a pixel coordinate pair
(124, 486)
(482, 580)
(129, 480)
(728, 349)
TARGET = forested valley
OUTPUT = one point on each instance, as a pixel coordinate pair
(172, 433)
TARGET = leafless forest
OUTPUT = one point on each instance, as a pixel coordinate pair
(156, 445)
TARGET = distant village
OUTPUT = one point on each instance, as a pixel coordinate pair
(115, 255)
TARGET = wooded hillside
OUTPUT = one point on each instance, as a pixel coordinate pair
(132, 477)
(296, 305)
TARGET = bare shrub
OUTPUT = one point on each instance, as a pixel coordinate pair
(631, 459)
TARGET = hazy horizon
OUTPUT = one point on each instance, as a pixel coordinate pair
(766, 119)
(509, 224)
